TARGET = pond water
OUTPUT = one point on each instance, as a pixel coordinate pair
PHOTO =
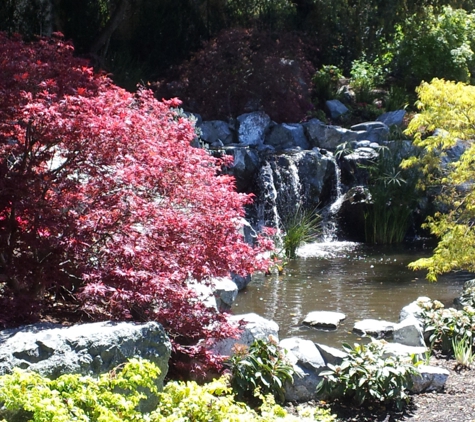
(358, 280)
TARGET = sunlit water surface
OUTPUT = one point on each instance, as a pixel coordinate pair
(358, 280)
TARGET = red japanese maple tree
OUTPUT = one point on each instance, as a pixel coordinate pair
(104, 201)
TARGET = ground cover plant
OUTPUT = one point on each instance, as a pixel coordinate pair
(117, 396)
(105, 205)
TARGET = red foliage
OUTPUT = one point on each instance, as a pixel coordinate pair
(244, 70)
(103, 199)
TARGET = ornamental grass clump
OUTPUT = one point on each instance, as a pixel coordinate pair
(367, 376)
(300, 227)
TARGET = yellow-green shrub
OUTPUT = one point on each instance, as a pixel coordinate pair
(27, 396)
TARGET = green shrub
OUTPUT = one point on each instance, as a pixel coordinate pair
(367, 376)
(262, 366)
(444, 325)
(365, 77)
(326, 83)
(435, 45)
(27, 396)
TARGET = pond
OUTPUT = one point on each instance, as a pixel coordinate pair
(356, 279)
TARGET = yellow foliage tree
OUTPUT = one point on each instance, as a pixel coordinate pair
(446, 119)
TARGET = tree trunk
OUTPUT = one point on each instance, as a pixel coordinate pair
(115, 20)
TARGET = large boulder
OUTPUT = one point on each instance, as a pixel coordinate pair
(89, 349)
(252, 128)
(409, 332)
(376, 132)
(254, 327)
(308, 363)
(287, 136)
(392, 118)
(326, 136)
(336, 108)
(414, 309)
(216, 132)
(246, 164)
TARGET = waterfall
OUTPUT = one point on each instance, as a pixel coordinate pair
(329, 213)
(299, 179)
(267, 213)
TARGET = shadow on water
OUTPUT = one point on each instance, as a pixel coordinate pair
(358, 280)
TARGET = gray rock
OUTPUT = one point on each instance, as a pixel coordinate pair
(409, 332)
(325, 136)
(413, 309)
(225, 291)
(362, 154)
(240, 281)
(252, 128)
(88, 349)
(392, 118)
(336, 108)
(245, 166)
(331, 355)
(216, 130)
(287, 136)
(374, 328)
(255, 328)
(308, 363)
(361, 144)
(372, 131)
(398, 349)
(324, 319)
(431, 378)
(204, 293)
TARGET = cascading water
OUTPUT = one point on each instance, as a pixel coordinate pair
(292, 180)
(267, 214)
(329, 213)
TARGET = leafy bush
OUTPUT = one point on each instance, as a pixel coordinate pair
(111, 397)
(365, 77)
(367, 376)
(447, 106)
(435, 45)
(116, 397)
(446, 325)
(326, 83)
(262, 366)
(245, 70)
(104, 203)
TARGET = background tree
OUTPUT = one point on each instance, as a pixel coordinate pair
(104, 204)
(245, 70)
(447, 119)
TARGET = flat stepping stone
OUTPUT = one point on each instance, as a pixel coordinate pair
(324, 319)
(374, 327)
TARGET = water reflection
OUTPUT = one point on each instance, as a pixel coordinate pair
(358, 280)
